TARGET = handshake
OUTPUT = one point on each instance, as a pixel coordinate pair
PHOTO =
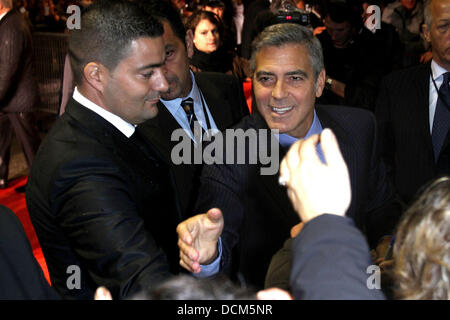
(314, 188)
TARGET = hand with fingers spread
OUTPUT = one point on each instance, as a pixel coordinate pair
(197, 239)
(315, 188)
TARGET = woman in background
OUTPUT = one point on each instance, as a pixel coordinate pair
(209, 52)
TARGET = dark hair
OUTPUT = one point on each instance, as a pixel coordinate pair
(340, 12)
(107, 29)
(200, 15)
(213, 3)
(164, 10)
(184, 287)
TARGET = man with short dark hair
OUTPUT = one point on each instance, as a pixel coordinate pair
(18, 88)
(101, 197)
(218, 101)
(355, 60)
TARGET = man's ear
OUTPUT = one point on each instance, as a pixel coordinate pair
(96, 75)
(426, 32)
(189, 39)
(320, 83)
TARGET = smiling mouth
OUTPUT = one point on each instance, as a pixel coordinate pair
(153, 101)
(281, 111)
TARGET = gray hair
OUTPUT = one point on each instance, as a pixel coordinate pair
(427, 13)
(289, 33)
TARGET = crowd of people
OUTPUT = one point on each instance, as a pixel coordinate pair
(362, 122)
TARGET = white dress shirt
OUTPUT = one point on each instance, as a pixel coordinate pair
(438, 77)
(3, 14)
(126, 128)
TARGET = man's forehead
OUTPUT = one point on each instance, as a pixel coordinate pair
(292, 55)
(169, 35)
(146, 52)
(440, 10)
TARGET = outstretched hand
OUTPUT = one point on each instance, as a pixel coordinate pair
(315, 188)
(197, 239)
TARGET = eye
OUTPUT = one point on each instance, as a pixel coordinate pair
(265, 80)
(147, 75)
(169, 53)
(443, 27)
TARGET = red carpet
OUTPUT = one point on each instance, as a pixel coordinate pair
(16, 202)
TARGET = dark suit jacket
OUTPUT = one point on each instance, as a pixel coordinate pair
(226, 102)
(402, 113)
(18, 88)
(21, 277)
(258, 214)
(97, 201)
(330, 261)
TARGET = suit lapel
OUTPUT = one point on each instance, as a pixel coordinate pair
(270, 182)
(420, 107)
(109, 136)
(159, 131)
(218, 103)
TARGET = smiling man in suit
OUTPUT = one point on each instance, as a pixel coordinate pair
(413, 111)
(218, 100)
(257, 217)
(100, 197)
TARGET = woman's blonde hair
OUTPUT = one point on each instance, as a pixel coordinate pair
(422, 246)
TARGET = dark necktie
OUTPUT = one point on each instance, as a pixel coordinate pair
(188, 107)
(441, 121)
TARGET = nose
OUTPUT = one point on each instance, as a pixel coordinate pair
(278, 91)
(333, 35)
(160, 84)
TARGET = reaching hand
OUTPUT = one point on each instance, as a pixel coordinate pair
(315, 188)
(197, 239)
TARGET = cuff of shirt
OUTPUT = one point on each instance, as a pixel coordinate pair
(212, 268)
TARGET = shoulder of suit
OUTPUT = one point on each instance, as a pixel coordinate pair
(338, 111)
(13, 21)
(408, 74)
(213, 78)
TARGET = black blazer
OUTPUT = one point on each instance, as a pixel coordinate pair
(402, 113)
(225, 98)
(21, 277)
(258, 214)
(97, 201)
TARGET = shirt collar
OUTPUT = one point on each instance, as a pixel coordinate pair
(126, 128)
(437, 70)
(316, 128)
(3, 15)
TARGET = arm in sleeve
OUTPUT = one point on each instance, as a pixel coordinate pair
(330, 261)
(97, 211)
(11, 48)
